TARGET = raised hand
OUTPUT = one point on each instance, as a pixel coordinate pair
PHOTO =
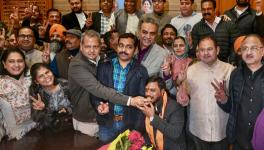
(220, 94)
(14, 17)
(28, 11)
(182, 74)
(2, 38)
(103, 108)
(89, 20)
(166, 66)
(42, 29)
(46, 53)
(38, 104)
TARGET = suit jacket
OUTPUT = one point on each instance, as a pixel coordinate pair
(135, 86)
(70, 21)
(83, 83)
(171, 126)
(96, 26)
(153, 59)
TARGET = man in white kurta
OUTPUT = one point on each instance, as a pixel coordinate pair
(207, 121)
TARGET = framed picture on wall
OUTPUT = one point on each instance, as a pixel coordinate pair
(147, 6)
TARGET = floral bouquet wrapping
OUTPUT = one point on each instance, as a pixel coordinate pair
(127, 141)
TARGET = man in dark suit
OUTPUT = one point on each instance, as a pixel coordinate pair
(77, 18)
(164, 117)
(100, 20)
(125, 75)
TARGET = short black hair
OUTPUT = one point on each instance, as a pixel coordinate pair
(159, 80)
(129, 35)
(169, 26)
(34, 31)
(70, 0)
(53, 9)
(209, 38)
(192, 1)
(212, 1)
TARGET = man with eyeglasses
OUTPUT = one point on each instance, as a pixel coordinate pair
(126, 20)
(245, 99)
(127, 77)
(159, 14)
(206, 120)
(77, 18)
(26, 41)
(101, 19)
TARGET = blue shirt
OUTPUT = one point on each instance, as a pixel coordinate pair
(119, 78)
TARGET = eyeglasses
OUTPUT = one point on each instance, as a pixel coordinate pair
(253, 48)
(23, 36)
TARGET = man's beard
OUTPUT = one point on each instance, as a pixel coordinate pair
(78, 11)
(242, 4)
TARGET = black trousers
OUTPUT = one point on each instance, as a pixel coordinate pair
(236, 146)
(194, 143)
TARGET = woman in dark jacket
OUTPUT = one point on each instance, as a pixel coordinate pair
(50, 98)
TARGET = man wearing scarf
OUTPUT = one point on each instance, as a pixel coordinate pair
(164, 117)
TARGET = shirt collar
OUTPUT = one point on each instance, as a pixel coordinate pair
(241, 11)
(115, 61)
(96, 60)
(193, 14)
(216, 21)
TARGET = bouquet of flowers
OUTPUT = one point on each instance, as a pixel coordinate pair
(127, 141)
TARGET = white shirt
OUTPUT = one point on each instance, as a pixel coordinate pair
(132, 23)
(81, 19)
(207, 120)
(184, 25)
(215, 23)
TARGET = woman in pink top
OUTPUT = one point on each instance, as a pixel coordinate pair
(180, 63)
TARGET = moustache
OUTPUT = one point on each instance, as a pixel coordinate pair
(206, 14)
(249, 56)
(123, 53)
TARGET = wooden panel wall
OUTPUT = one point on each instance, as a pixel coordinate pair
(7, 5)
(64, 6)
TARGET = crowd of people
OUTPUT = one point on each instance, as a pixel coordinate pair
(192, 81)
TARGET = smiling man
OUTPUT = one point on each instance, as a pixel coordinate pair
(150, 54)
(126, 20)
(26, 41)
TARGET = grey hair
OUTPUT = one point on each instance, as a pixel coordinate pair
(90, 34)
(148, 19)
